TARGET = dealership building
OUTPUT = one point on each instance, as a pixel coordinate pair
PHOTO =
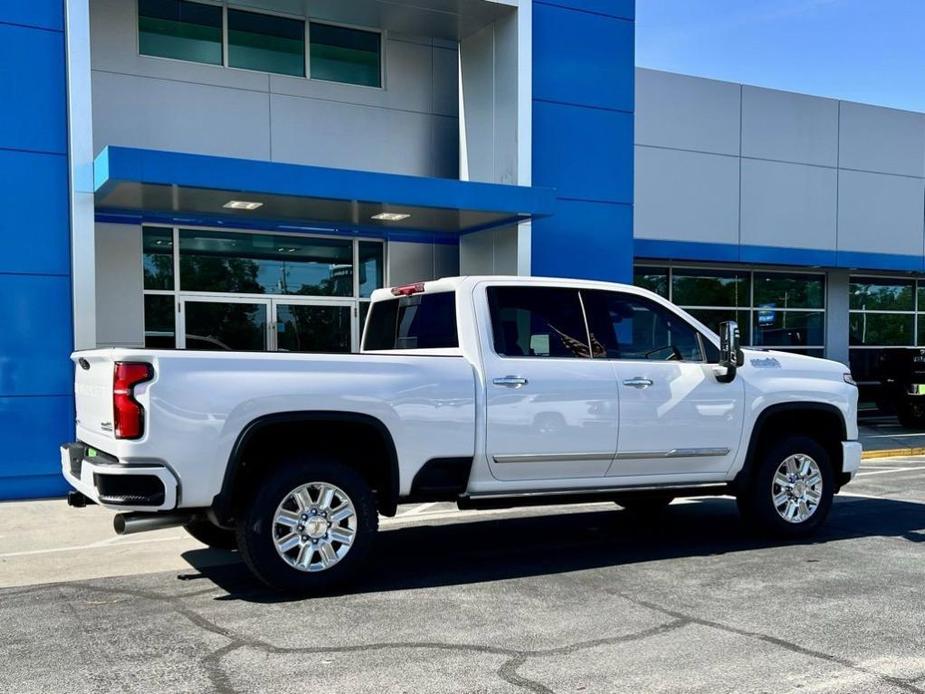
(242, 175)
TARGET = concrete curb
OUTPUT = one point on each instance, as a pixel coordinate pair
(892, 453)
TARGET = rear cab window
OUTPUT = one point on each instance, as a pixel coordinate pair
(419, 321)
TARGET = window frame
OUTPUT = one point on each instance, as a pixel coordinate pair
(306, 20)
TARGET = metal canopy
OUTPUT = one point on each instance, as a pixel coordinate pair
(149, 182)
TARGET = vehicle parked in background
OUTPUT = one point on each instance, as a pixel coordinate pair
(486, 391)
(902, 384)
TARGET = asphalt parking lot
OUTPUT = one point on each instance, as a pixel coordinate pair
(571, 599)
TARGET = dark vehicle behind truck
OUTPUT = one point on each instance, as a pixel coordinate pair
(902, 382)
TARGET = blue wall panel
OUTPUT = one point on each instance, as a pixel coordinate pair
(34, 218)
(583, 96)
(581, 58)
(36, 324)
(593, 244)
(587, 153)
(625, 9)
(45, 14)
(31, 429)
(37, 335)
(32, 77)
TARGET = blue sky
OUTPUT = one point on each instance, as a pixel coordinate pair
(860, 50)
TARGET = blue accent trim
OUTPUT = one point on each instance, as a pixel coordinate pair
(115, 164)
(771, 255)
(228, 222)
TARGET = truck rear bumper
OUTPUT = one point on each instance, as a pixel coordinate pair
(851, 457)
(114, 485)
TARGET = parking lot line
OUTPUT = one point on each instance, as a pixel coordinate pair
(889, 470)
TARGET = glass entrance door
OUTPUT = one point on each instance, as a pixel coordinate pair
(312, 327)
(224, 324)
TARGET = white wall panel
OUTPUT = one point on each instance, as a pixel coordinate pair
(119, 286)
(410, 262)
(686, 196)
(179, 116)
(788, 205)
(789, 127)
(329, 133)
(880, 214)
(686, 112)
(882, 139)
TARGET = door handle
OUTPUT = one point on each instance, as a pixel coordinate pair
(510, 381)
(638, 382)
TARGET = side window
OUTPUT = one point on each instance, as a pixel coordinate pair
(537, 322)
(624, 326)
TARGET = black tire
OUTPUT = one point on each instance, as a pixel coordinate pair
(756, 502)
(256, 529)
(210, 534)
(646, 505)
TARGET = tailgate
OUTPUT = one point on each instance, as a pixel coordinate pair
(93, 391)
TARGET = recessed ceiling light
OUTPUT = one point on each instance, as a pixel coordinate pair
(242, 205)
(390, 216)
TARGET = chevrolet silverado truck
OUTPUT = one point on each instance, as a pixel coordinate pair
(485, 391)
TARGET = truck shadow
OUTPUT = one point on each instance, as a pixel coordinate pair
(492, 548)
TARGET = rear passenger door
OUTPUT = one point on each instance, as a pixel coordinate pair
(551, 409)
(675, 417)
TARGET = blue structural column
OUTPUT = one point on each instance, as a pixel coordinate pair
(583, 98)
(36, 402)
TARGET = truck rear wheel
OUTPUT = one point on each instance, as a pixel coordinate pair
(211, 535)
(309, 528)
(790, 493)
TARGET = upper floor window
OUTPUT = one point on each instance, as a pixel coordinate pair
(180, 29)
(341, 54)
(267, 43)
(198, 32)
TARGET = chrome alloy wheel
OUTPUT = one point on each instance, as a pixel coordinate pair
(797, 488)
(314, 527)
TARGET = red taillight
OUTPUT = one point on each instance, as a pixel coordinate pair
(408, 289)
(128, 414)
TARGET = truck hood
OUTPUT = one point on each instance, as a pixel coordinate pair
(774, 359)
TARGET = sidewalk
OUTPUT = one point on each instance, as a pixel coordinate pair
(884, 437)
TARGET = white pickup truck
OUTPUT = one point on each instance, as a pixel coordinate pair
(486, 391)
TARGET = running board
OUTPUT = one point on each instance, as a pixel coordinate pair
(572, 496)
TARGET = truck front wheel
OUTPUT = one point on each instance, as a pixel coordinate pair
(791, 489)
(309, 527)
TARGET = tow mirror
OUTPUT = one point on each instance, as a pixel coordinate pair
(731, 356)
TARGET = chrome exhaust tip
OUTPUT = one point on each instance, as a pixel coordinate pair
(131, 523)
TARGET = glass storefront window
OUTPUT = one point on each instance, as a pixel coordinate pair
(713, 317)
(341, 54)
(312, 328)
(881, 329)
(226, 326)
(180, 29)
(720, 288)
(266, 42)
(784, 290)
(370, 267)
(881, 294)
(217, 261)
(774, 328)
(160, 327)
(655, 279)
(157, 255)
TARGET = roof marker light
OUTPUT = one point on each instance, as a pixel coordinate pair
(242, 205)
(408, 289)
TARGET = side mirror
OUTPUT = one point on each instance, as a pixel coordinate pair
(731, 356)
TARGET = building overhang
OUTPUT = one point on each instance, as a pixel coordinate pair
(194, 189)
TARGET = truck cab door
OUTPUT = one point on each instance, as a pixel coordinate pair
(551, 408)
(676, 418)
